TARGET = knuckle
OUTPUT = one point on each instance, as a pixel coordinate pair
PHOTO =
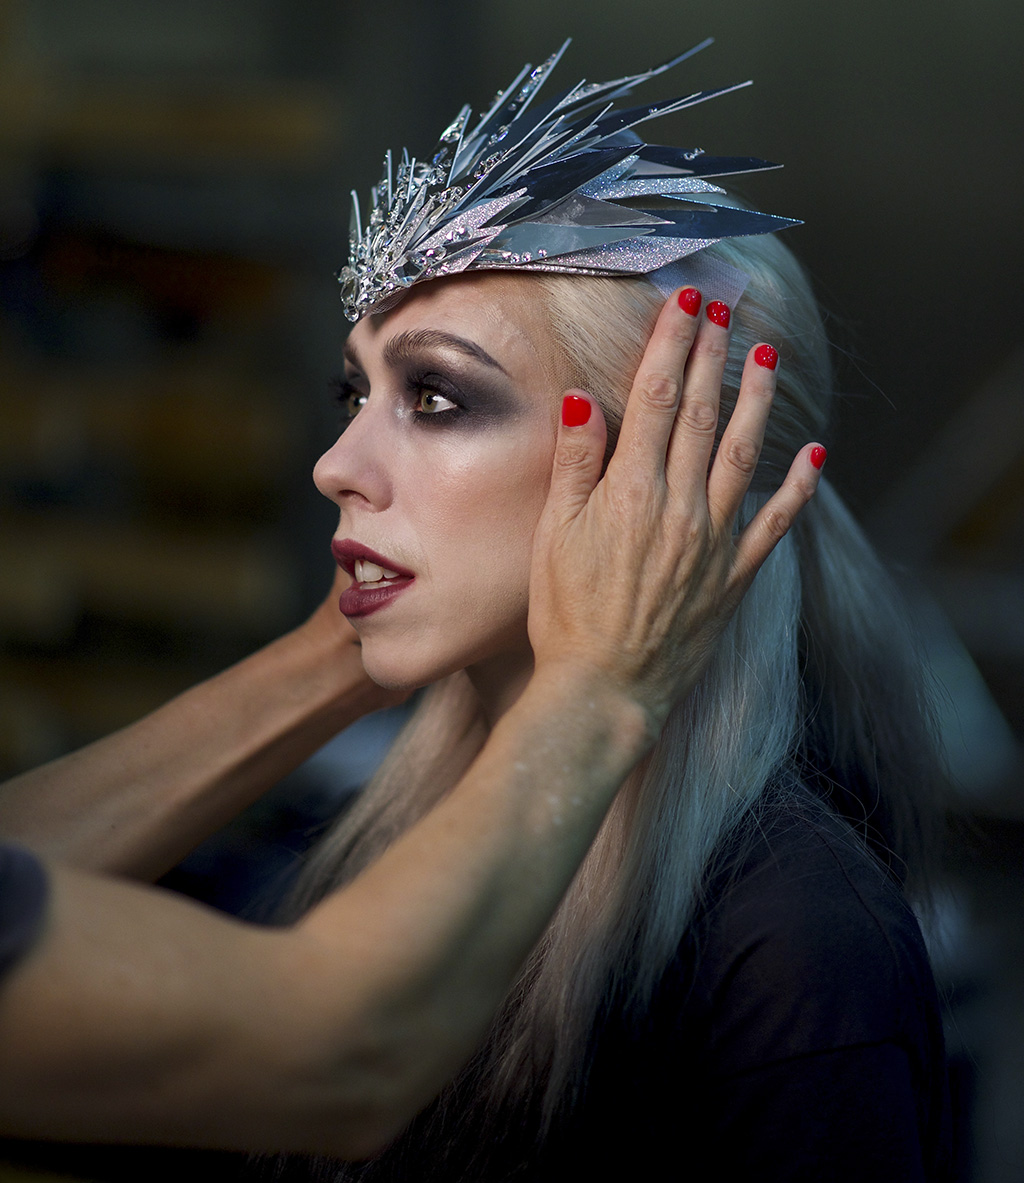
(687, 526)
(805, 487)
(742, 454)
(572, 456)
(660, 391)
(777, 521)
(699, 415)
(713, 348)
(681, 330)
(691, 535)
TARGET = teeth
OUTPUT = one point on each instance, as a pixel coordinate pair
(367, 572)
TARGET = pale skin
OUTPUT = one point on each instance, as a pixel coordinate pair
(139, 1016)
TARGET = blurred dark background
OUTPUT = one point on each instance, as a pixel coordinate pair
(173, 204)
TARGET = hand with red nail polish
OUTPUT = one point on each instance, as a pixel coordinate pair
(636, 572)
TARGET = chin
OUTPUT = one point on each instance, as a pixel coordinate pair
(397, 680)
(403, 671)
(413, 658)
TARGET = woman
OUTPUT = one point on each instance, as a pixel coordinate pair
(330, 1034)
(734, 979)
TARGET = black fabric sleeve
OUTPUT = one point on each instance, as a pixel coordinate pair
(842, 1116)
(23, 895)
(823, 1057)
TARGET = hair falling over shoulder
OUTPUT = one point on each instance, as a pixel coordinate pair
(817, 682)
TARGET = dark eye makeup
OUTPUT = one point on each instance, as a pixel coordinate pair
(432, 398)
(346, 398)
(428, 398)
(435, 399)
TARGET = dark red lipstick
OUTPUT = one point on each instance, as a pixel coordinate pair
(361, 599)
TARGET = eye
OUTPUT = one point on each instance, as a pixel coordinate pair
(352, 402)
(349, 399)
(430, 402)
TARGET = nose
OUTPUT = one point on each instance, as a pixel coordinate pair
(355, 469)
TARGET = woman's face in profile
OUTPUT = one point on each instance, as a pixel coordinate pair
(440, 478)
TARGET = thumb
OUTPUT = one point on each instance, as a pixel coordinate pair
(579, 455)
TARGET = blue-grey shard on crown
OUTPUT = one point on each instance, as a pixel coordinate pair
(562, 185)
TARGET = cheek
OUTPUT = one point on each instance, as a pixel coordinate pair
(494, 500)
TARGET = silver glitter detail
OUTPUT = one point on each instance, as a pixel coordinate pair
(648, 186)
(562, 187)
(638, 256)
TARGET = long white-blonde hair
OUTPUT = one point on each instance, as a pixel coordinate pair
(814, 682)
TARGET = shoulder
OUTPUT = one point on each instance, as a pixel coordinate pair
(811, 1012)
(796, 1035)
(807, 945)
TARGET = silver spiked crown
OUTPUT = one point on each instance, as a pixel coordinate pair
(563, 185)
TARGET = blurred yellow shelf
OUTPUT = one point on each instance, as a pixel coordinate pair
(209, 125)
(188, 424)
(60, 565)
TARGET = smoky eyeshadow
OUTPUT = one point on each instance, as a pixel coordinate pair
(483, 393)
(479, 398)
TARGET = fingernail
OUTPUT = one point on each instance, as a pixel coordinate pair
(719, 313)
(689, 301)
(818, 455)
(767, 356)
(575, 411)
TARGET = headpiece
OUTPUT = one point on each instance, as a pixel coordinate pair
(562, 185)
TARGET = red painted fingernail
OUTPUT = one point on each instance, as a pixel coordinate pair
(767, 356)
(818, 455)
(689, 301)
(719, 313)
(575, 411)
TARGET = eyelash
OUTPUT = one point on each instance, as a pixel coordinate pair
(343, 395)
(350, 399)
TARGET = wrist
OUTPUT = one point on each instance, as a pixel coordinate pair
(589, 700)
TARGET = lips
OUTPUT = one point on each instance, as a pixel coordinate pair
(377, 580)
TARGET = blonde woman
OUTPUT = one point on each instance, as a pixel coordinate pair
(132, 1015)
(735, 981)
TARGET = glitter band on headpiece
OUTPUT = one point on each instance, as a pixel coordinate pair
(560, 186)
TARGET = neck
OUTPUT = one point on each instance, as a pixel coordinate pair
(499, 681)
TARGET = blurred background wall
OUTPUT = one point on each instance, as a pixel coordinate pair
(173, 180)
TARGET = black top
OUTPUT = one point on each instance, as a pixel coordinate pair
(796, 1036)
(23, 891)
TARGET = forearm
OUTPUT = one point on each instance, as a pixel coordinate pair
(143, 1017)
(137, 801)
(441, 924)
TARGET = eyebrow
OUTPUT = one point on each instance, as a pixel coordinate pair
(406, 345)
